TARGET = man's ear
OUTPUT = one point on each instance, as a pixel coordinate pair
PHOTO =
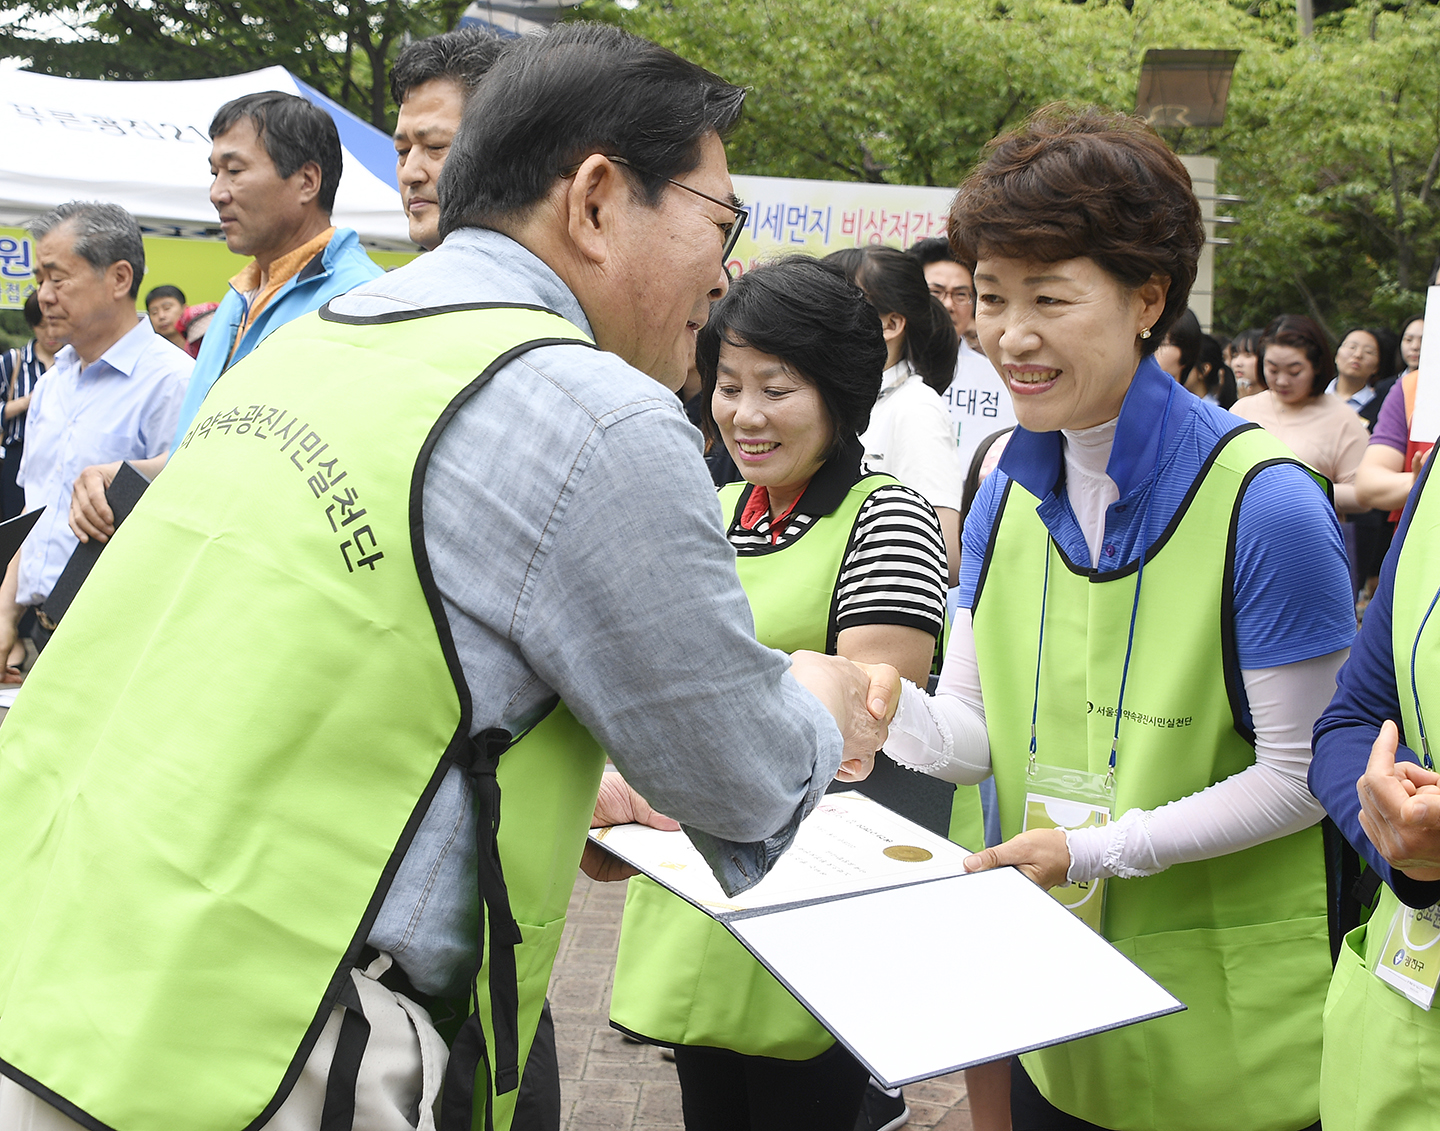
(594, 201)
(308, 179)
(120, 275)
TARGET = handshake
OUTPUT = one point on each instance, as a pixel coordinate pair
(862, 698)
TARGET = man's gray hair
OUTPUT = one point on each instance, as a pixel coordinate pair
(104, 234)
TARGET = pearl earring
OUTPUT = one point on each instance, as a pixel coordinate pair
(1145, 333)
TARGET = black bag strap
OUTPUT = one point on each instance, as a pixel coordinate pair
(1351, 886)
(468, 1053)
(339, 1111)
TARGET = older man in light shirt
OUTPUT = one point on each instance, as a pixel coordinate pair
(114, 394)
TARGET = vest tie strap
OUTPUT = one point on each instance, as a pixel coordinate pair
(469, 1052)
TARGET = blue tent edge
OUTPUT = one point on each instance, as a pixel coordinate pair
(371, 147)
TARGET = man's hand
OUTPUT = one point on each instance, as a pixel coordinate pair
(860, 697)
(1400, 809)
(90, 513)
(618, 804)
(12, 649)
(1040, 853)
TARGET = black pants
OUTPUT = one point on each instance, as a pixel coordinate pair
(1030, 1111)
(722, 1090)
(537, 1108)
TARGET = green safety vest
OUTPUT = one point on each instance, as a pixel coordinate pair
(1240, 939)
(681, 978)
(215, 769)
(1382, 1051)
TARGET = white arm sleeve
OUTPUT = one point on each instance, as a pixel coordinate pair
(1262, 802)
(945, 736)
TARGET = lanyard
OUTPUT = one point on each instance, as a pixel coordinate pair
(1134, 612)
(1414, 687)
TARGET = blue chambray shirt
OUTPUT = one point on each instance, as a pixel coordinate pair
(576, 541)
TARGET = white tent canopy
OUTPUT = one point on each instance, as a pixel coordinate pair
(146, 147)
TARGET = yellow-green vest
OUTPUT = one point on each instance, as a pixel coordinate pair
(213, 773)
(681, 978)
(1240, 939)
(1381, 1070)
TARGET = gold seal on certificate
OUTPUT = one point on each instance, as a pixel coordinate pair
(909, 853)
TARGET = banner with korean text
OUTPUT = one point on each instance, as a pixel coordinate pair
(818, 217)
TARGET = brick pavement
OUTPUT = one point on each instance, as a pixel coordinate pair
(608, 1085)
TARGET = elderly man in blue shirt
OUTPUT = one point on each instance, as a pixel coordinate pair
(114, 394)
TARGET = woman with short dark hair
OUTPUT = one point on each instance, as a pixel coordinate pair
(1240, 355)
(911, 435)
(1323, 431)
(1132, 659)
(834, 559)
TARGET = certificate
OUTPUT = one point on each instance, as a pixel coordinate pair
(849, 844)
(916, 966)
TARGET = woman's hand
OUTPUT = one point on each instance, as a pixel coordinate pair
(1041, 854)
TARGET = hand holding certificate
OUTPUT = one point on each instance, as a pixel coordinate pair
(850, 844)
(1019, 971)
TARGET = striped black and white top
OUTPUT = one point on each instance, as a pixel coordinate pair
(894, 569)
(20, 369)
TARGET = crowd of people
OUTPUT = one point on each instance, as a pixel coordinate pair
(428, 549)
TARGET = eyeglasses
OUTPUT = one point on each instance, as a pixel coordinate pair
(730, 231)
(954, 294)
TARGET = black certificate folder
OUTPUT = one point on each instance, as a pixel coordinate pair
(918, 973)
(14, 531)
(122, 495)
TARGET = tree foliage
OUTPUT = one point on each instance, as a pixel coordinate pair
(1333, 142)
(343, 49)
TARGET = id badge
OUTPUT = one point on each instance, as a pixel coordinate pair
(1057, 798)
(1410, 959)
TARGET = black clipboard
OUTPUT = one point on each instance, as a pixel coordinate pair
(122, 495)
(14, 531)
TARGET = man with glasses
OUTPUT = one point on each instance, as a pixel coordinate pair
(292, 834)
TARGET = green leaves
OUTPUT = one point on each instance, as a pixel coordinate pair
(907, 91)
(341, 49)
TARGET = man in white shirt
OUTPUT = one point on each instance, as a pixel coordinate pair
(978, 401)
(114, 393)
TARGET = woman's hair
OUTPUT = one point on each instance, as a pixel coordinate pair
(1219, 377)
(1185, 336)
(1246, 341)
(895, 284)
(1074, 183)
(1387, 345)
(806, 313)
(33, 314)
(1301, 333)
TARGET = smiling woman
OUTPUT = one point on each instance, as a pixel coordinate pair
(833, 559)
(1126, 629)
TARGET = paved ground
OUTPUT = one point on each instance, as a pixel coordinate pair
(608, 1085)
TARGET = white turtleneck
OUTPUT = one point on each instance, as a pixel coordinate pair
(1087, 486)
(945, 735)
